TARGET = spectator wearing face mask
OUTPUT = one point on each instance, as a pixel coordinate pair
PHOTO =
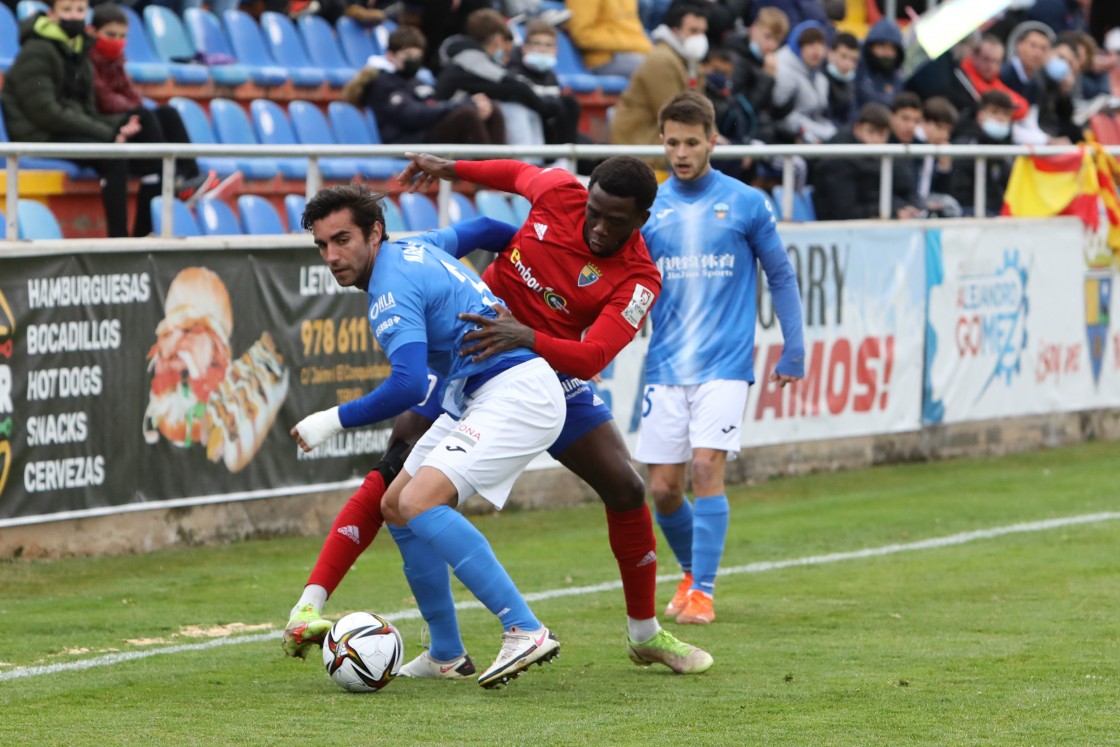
(879, 78)
(840, 69)
(406, 108)
(990, 125)
(755, 65)
(1059, 87)
(801, 86)
(672, 67)
(535, 61)
(1030, 43)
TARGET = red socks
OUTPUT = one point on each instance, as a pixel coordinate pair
(635, 549)
(354, 529)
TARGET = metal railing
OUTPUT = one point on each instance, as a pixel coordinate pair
(168, 153)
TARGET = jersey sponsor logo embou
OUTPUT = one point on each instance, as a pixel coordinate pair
(384, 302)
(551, 298)
(639, 304)
(588, 275)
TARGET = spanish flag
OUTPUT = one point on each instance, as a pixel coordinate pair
(1074, 184)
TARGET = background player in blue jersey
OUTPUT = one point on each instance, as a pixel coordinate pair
(504, 410)
(707, 232)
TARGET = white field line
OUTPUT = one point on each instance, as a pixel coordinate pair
(760, 567)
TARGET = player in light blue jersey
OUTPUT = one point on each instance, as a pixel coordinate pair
(503, 411)
(707, 233)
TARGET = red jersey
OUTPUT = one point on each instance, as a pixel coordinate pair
(584, 308)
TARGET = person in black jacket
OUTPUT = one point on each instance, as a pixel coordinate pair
(991, 125)
(406, 109)
(755, 65)
(848, 188)
(906, 115)
(535, 61)
(843, 59)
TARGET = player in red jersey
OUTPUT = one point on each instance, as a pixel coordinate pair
(578, 274)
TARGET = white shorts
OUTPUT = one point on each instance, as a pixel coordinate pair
(678, 419)
(506, 422)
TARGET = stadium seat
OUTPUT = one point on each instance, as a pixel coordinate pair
(173, 47)
(232, 127)
(216, 219)
(258, 217)
(572, 73)
(356, 42)
(282, 39)
(273, 128)
(324, 51)
(521, 207)
(352, 128)
(294, 206)
(248, 45)
(419, 212)
(460, 208)
(1105, 129)
(208, 37)
(311, 128)
(803, 210)
(200, 131)
(27, 8)
(182, 219)
(71, 169)
(394, 221)
(9, 38)
(36, 221)
(141, 62)
(494, 205)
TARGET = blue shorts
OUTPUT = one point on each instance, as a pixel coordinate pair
(585, 410)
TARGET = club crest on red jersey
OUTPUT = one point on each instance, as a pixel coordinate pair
(588, 275)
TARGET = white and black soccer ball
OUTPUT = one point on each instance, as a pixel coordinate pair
(363, 652)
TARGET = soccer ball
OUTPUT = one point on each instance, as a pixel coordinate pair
(363, 652)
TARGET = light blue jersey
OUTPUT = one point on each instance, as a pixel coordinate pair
(707, 237)
(416, 293)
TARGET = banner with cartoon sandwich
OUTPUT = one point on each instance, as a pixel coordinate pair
(133, 378)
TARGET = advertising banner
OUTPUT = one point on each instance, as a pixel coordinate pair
(862, 297)
(1019, 322)
(130, 377)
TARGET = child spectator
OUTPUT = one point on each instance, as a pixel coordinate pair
(848, 188)
(535, 61)
(990, 125)
(755, 65)
(840, 69)
(935, 175)
(802, 87)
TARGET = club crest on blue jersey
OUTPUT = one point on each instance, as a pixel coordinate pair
(721, 209)
(588, 275)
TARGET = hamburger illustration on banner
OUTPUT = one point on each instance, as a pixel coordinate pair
(199, 395)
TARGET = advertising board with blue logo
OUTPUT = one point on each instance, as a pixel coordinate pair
(1019, 322)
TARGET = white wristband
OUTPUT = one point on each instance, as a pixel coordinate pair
(319, 426)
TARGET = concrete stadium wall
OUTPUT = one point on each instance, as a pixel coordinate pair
(313, 514)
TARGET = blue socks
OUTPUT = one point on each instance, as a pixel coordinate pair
(677, 528)
(431, 585)
(471, 558)
(708, 536)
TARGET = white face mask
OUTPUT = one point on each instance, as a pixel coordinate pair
(695, 47)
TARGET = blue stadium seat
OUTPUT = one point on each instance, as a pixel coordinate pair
(258, 217)
(283, 41)
(71, 169)
(141, 62)
(208, 37)
(173, 47)
(215, 218)
(248, 44)
(324, 51)
(494, 205)
(419, 212)
(311, 128)
(36, 221)
(355, 41)
(352, 128)
(273, 128)
(182, 219)
(294, 206)
(394, 221)
(803, 210)
(200, 131)
(27, 8)
(572, 73)
(521, 207)
(9, 38)
(461, 208)
(232, 127)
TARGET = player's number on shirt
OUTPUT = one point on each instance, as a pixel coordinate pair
(481, 287)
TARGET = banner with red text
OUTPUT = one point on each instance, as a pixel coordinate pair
(1019, 322)
(862, 292)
